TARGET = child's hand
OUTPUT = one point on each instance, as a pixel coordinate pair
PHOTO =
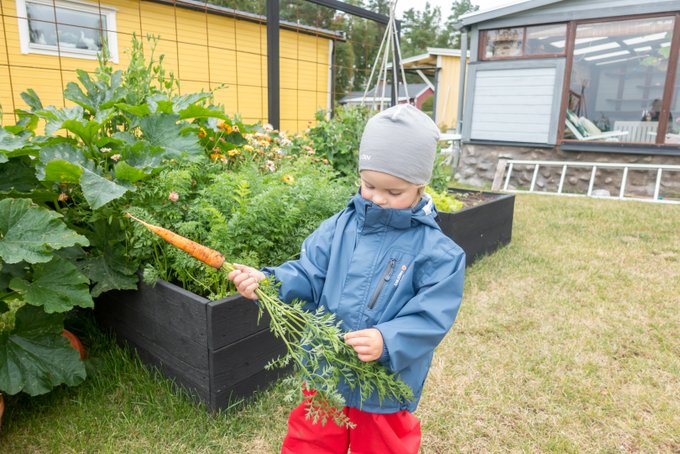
(246, 280)
(368, 343)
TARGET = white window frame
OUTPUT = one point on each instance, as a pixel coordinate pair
(31, 48)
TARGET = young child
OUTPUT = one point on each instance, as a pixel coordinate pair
(384, 267)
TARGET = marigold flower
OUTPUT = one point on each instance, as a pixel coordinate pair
(235, 128)
(288, 179)
(216, 156)
(225, 127)
(116, 157)
(248, 148)
(202, 133)
(234, 152)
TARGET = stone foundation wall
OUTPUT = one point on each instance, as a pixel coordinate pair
(478, 163)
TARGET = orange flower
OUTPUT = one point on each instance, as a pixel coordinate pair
(216, 156)
(288, 179)
(202, 133)
(225, 127)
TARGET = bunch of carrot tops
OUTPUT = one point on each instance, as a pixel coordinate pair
(314, 343)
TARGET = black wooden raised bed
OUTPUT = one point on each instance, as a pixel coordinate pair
(482, 228)
(216, 350)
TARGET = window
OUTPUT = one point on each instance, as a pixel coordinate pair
(66, 28)
(524, 42)
(617, 84)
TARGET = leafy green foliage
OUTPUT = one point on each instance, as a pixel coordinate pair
(57, 286)
(35, 357)
(30, 233)
(257, 215)
(322, 359)
(61, 193)
(444, 201)
(337, 139)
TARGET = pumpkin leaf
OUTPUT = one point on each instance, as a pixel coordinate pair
(30, 233)
(111, 269)
(163, 130)
(64, 163)
(35, 357)
(57, 285)
(194, 111)
(18, 175)
(99, 191)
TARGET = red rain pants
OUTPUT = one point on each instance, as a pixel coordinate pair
(394, 433)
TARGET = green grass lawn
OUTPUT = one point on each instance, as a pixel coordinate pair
(568, 340)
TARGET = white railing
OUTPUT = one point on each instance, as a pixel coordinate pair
(506, 167)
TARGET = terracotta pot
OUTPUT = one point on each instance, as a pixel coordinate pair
(75, 342)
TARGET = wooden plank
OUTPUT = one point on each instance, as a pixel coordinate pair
(226, 396)
(240, 360)
(129, 316)
(194, 380)
(232, 319)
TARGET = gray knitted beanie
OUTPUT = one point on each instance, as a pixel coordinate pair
(400, 141)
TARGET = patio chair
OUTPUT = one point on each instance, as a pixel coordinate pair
(639, 131)
(584, 129)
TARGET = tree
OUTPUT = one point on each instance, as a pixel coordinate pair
(458, 8)
(420, 30)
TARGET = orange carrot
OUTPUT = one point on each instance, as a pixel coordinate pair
(210, 257)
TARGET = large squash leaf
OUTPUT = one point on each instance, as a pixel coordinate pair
(99, 191)
(98, 94)
(35, 357)
(30, 233)
(107, 266)
(18, 174)
(10, 145)
(164, 131)
(57, 285)
(64, 163)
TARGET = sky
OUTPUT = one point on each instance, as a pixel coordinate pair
(445, 5)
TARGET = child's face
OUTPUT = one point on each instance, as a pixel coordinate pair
(388, 191)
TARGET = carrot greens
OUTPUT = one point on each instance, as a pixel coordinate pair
(314, 343)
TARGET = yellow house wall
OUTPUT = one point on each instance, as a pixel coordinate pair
(204, 51)
(447, 98)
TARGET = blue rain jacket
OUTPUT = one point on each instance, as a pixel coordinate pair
(385, 268)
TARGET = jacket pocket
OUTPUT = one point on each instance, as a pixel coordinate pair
(386, 276)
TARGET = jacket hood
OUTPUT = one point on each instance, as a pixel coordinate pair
(371, 216)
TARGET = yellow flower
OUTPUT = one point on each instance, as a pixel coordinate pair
(248, 148)
(288, 179)
(234, 152)
(202, 133)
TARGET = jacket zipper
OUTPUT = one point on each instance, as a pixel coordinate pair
(386, 277)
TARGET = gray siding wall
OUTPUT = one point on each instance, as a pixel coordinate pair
(514, 101)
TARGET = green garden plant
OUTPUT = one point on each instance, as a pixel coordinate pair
(64, 175)
(258, 214)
